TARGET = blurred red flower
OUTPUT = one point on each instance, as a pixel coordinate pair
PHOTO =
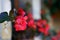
(57, 37)
(46, 31)
(20, 23)
(43, 26)
(40, 22)
(30, 16)
(54, 38)
(20, 27)
(31, 24)
(21, 12)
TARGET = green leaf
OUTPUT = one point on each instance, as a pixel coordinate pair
(4, 17)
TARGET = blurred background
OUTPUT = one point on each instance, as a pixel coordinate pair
(41, 9)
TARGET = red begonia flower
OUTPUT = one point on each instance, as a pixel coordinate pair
(20, 27)
(46, 29)
(21, 12)
(20, 23)
(43, 27)
(54, 38)
(31, 24)
(30, 16)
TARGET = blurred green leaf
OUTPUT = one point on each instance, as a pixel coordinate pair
(4, 17)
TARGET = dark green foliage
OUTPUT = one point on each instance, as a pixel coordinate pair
(4, 17)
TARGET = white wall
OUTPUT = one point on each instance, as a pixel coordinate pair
(0, 6)
(36, 7)
(5, 5)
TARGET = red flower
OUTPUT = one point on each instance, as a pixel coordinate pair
(44, 22)
(56, 37)
(25, 17)
(19, 27)
(43, 26)
(41, 30)
(20, 23)
(31, 24)
(21, 12)
(40, 22)
(46, 29)
(30, 16)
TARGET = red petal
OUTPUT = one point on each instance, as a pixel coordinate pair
(41, 30)
(25, 17)
(44, 22)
